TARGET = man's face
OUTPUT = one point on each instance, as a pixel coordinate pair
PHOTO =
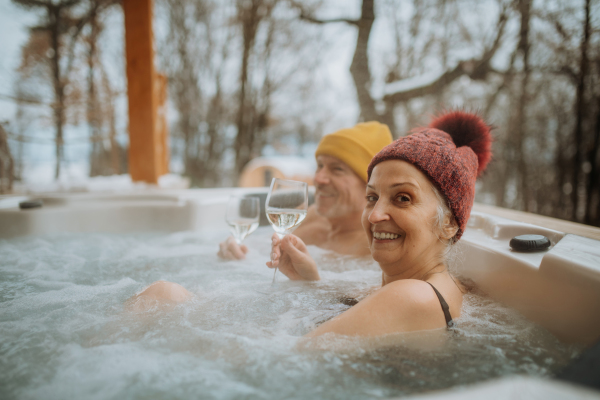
(339, 191)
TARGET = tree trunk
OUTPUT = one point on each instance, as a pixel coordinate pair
(593, 184)
(6, 164)
(522, 172)
(96, 148)
(212, 153)
(359, 68)
(250, 19)
(116, 166)
(54, 16)
(578, 177)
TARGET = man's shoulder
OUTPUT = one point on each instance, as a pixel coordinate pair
(315, 220)
(315, 227)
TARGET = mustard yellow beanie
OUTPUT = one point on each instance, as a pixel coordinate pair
(356, 146)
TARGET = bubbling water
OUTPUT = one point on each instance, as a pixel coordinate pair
(65, 332)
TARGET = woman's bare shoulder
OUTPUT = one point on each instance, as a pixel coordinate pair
(402, 306)
(415, 289)
(408, 304)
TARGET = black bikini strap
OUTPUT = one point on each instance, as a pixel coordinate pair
(445, 308)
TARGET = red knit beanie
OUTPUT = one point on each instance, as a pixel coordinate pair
(453, 151)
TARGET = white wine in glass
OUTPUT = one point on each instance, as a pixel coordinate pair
(242, 216)
(284, 221)
(286, 206)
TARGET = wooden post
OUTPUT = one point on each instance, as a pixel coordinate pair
(148, 151)
(161, 123)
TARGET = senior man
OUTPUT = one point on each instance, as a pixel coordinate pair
(333, 221)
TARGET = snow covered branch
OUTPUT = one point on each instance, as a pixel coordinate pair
(431, 83)
(306, 17)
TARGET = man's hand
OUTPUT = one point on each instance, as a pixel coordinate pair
(291, 257)
(230, 250)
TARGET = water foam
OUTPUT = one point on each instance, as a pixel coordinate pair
(65, 333)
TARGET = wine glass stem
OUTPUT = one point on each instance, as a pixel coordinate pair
(274, 276)
(276, 268)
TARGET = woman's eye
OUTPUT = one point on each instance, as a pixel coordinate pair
(403, 198)
(371, 198)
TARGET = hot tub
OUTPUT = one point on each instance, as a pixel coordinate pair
(68, 267)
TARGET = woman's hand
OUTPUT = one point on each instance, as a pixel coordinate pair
(230, 250)
(291, 257)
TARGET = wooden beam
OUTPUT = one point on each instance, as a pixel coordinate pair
(147, 141)
(162, 127)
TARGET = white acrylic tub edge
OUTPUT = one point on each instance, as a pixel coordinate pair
(559, 288)
(513, 388)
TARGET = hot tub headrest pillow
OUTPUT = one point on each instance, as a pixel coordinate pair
(452, 151)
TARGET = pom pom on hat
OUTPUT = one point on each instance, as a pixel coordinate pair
(467, 129)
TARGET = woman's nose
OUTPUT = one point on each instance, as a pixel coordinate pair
(379, 213)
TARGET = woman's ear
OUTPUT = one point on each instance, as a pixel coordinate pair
(450, 227)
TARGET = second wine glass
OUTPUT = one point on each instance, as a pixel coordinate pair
(242, 216)
(286, 206)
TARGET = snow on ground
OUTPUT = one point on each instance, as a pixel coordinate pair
(288, 165)
(74, 178)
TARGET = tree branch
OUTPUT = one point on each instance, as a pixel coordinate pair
(97, 7)
(24, 100)
(308, 18)
(476, 69)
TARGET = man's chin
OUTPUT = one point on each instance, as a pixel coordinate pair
(324, 210)
(324, 204)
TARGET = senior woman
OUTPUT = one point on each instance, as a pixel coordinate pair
(419, 195)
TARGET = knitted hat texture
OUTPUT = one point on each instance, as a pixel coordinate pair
(453, 151)
(356, 146)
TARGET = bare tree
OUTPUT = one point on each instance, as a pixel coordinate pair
(476, 68)
(578, 175)
(195, 75)
(57, 23)
(223, 91)
(359, 68)
(62, 27)
(6, 163)
(104, 156)
(251, 121)
(592, 214)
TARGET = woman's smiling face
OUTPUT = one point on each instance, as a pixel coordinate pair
(399, 220)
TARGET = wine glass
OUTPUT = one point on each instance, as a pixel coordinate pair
(286, 207)
(242, 216)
